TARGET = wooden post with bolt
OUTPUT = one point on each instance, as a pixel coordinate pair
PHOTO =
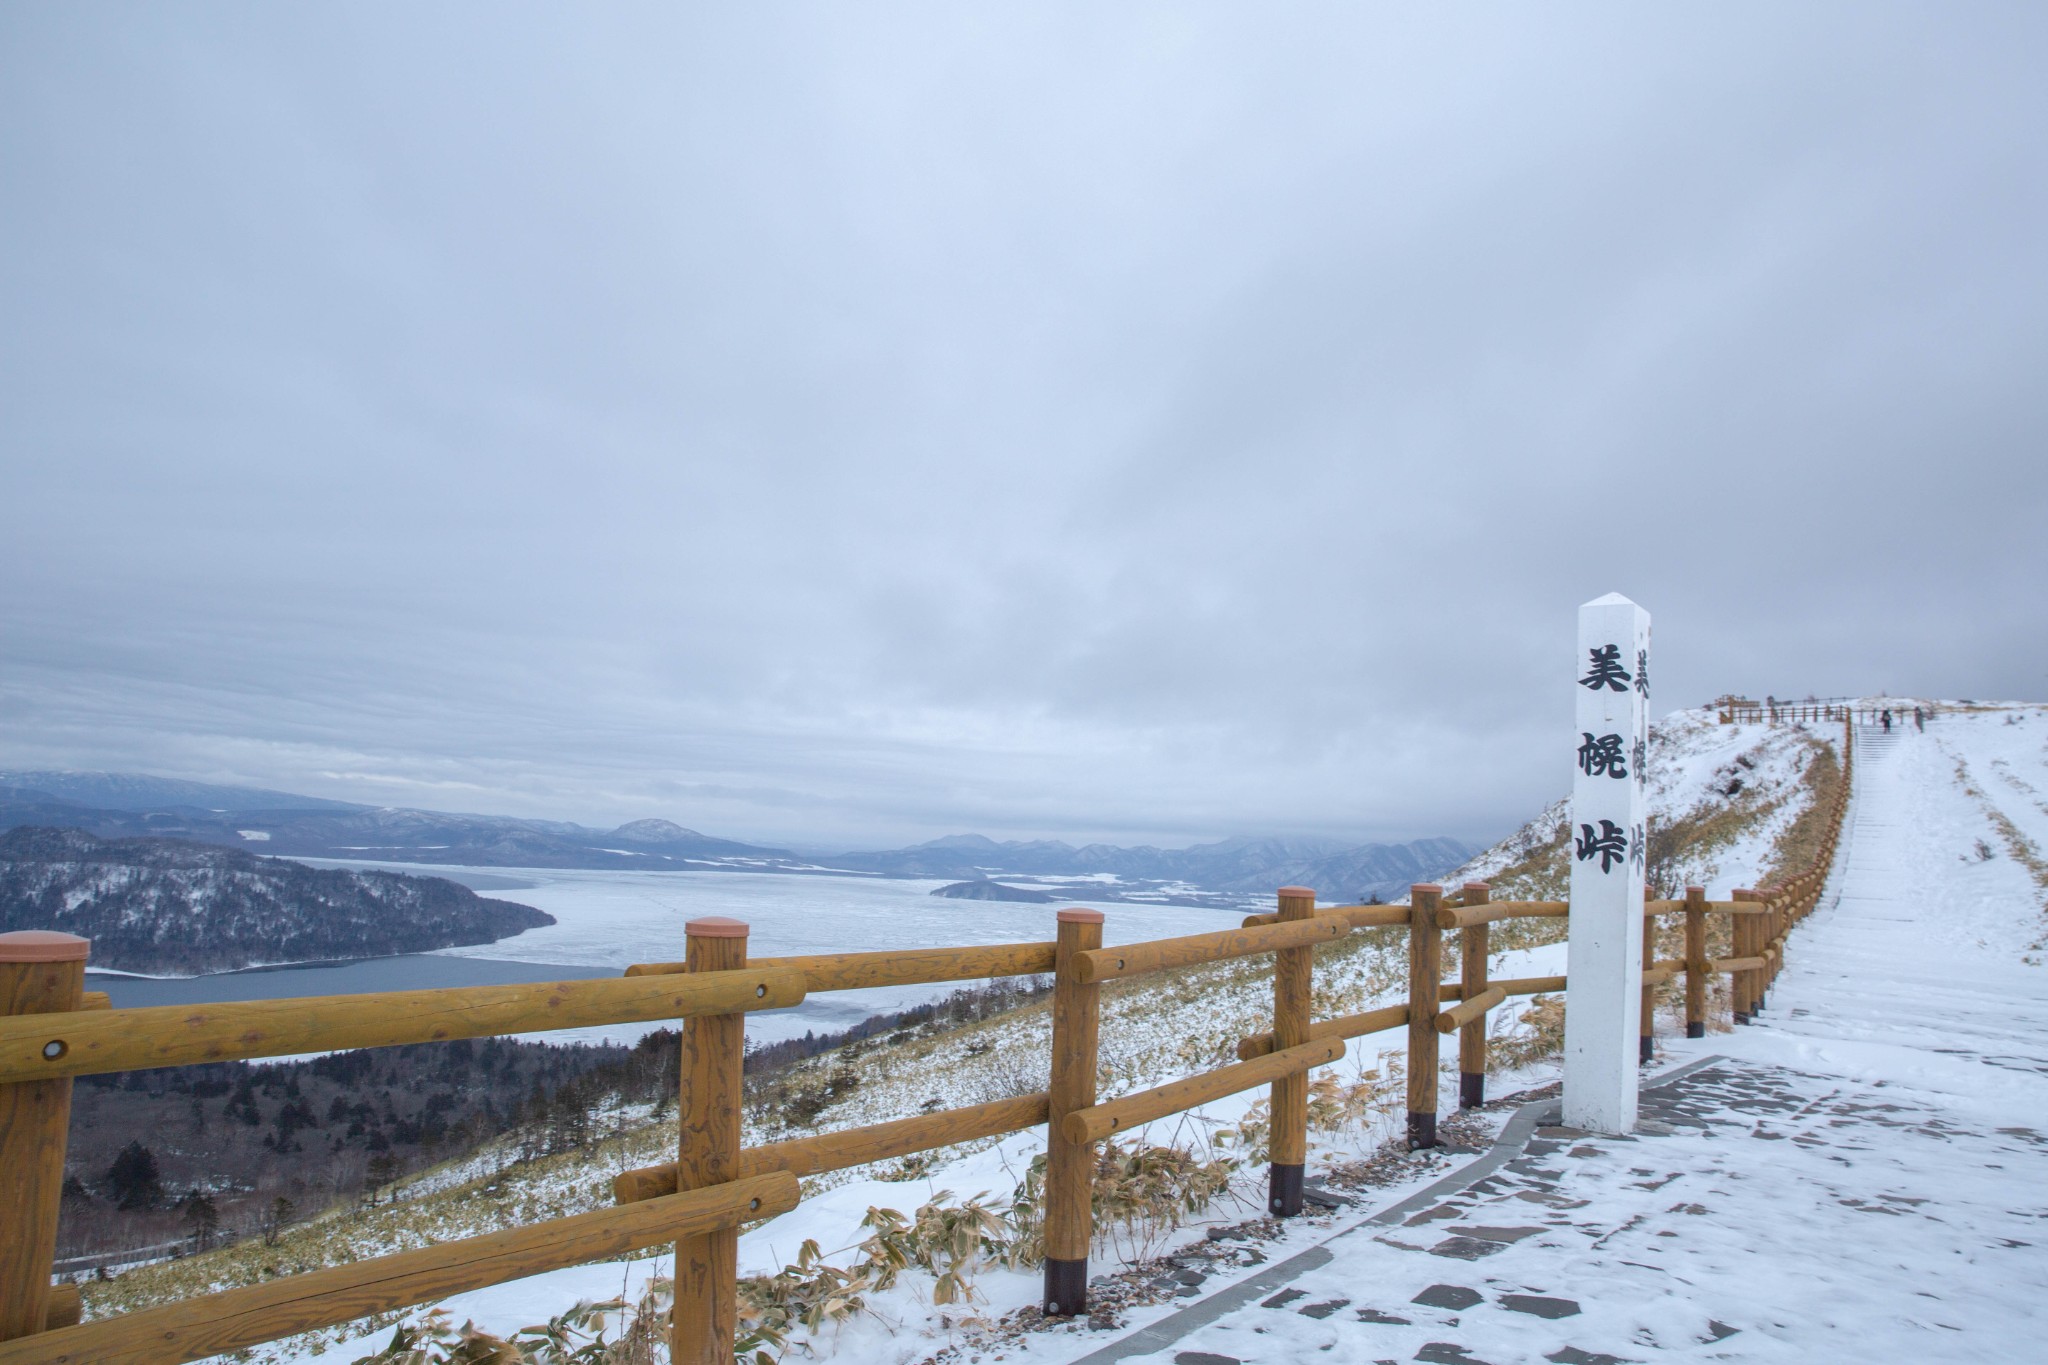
(1076, 1015)
(1293, 999)
(1747, 938)
(41, 972)
(1425, 977)
(708, 1103)
(1696, 962)
(1472, 954)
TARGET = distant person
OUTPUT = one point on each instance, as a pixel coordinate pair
(1919, 720)
(1885, 719)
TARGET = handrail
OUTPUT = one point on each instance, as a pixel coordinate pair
(909, 967)
(213, 1324)
(93, 1042)
(1137, 959)
(1099, 1121)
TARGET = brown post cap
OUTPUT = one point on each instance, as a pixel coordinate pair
(1745, 894)
(1308, 891)
(42, 945)
(1478, 886)
(1691, 889)
(716, 926)
(1426, 889)
(1078, 915)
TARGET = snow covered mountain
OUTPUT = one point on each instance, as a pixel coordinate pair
(169, 907)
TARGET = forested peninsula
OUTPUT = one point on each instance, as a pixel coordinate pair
(170, 907)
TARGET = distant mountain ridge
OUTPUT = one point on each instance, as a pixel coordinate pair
(280, 824)
(173, 907)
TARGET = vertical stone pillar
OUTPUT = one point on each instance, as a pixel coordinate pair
(1605, 951)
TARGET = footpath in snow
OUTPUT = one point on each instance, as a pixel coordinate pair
(1863, 1174)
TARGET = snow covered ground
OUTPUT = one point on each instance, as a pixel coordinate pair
(1904, 1053)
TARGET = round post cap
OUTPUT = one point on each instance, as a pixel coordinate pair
(42, 945)
(1692, 889)
(1308, 891)
(716, 926)
(1478, 886)
(1426, 889)
(1079, 915)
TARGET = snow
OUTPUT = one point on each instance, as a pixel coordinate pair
(1859, 1178)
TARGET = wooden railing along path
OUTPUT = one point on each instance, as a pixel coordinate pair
(53, 1031)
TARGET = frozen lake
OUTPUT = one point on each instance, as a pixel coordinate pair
(607, 920)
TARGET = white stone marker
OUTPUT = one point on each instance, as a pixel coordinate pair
(1604, 955)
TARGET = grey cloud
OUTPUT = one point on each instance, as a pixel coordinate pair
(832, 423)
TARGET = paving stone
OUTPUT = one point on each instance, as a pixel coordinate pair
(1572, 1355)
(1322, 1310)
(1452, 1296)
(1204, 1358)
(1493, 1234)
(1436, 1213)
(1466, 1248)
(1447, 1353)
(1539, 1305)
(1384, 1319)
(1719, 1331)
(1284, 1297)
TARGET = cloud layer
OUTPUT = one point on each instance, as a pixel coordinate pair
(843, 424)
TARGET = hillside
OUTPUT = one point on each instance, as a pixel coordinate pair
(1732, 798)
(165, 906)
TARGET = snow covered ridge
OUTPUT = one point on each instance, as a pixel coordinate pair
(1723, 801)
(167, 906)
(1738, 792)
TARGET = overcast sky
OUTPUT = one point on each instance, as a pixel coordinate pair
(854, 423)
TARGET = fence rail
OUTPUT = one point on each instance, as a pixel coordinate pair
(51, 1033)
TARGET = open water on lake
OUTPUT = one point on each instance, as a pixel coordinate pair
(608, 920)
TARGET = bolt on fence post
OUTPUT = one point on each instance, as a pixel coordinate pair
(1744, 937)
(1293, 1001)
(41, 972)
(1472, 955)
(1695, 962)
(1646, 1051)
(1076, 1015)
(708, 1111)
(1425, 980)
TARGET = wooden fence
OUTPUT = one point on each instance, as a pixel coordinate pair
(1825, 711)
(53, 1032)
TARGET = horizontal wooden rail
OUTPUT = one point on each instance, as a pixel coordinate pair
(1343, 1026)
(1468, 916)
(35, 1047)
(1136, 959)
(95, 1000)
(1736, 964)
(1463, 1013)
(1089, 1125)
(855, 1146)
(1531, 985)
(897, 967)
(212, 1324)
(1357, 916)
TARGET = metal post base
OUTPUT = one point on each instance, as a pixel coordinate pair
(1471, 1089)
(1285, 1199)
(1066, 1288)
(1421, 1131)
(1695, 1030)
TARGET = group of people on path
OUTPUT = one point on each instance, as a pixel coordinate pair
(1884, 718)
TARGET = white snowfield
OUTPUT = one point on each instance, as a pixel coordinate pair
(1862, 1175)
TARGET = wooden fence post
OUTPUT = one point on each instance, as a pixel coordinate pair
(1695, 962)
(708, 1110)
(1069, 1173)
(1425, 977)
(1747, 939)
(1293, 1001)
(1647, 1027)
(41, 972)
(1472, 955)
